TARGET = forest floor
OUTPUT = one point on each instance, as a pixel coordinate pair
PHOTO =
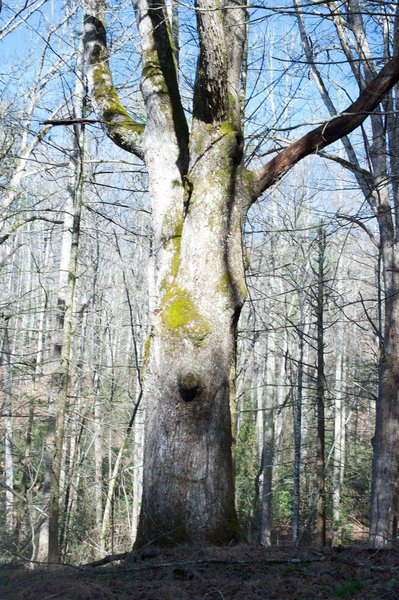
(235, 573)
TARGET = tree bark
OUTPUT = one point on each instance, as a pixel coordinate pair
(269, 393)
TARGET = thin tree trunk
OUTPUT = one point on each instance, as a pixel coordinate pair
(320, 441)
(138, 426)
(113, 479)
(37, 386)
(8, 430)
(339, 439)
(75, 426)
(268, 443)
(376, 187)
(258, 392)
(138, 452)
(98, 451)
(298, 400)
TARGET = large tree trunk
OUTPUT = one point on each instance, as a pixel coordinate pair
(188, 491)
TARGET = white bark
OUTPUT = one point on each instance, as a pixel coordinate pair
(8, 431)
(138, 452)
(339, 438)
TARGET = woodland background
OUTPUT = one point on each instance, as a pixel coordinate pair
(76, 250)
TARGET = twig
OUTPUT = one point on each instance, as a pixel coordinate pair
(108, 559)
(56, 122)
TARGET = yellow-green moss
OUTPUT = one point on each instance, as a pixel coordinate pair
(248, 179)
(227, 128)
(188, 187)
(160, 68)
(175, 264)
(146, 356)
(201, 137)
(147, 347)
(189, 380)
(106, 92)
(172, 225)
(180, 314)
(152, 71)
(172, 231)
(179, 309)
(224, 284)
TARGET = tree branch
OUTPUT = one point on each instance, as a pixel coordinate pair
(57, 122)
(19, 224)
(362, 225)
(120, 127)
(166, 120)
(350, 166)
(331, 131)
(369, 319)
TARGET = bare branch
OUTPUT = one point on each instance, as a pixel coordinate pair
(350, 166)
(19, 224)
(331, 131)
(362, 225)
(369, 319)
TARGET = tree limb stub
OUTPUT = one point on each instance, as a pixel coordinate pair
(331, 131)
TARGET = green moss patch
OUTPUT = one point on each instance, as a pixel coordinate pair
(180, 314)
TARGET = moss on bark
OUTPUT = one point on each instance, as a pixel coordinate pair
(180, 314)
